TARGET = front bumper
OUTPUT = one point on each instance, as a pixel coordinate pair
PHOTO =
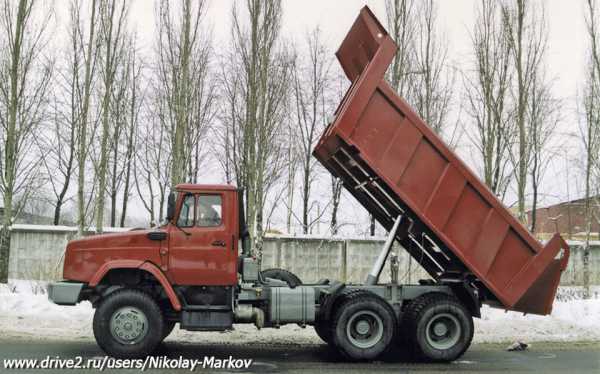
(65, 293)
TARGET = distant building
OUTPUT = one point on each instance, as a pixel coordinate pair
(566, 217)
(34, 219)
(28, 218)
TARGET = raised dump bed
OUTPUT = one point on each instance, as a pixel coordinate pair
(393, 163)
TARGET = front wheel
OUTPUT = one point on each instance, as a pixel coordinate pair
(128, 324)
(363, 326)
(167, 329)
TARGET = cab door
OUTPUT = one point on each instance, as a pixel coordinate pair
(202, 245)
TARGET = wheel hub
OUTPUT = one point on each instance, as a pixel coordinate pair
(443, 331)
(440, 329)
(128, 325)
(364, 329)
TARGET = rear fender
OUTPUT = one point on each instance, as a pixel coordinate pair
(142, 265)
(328, 300)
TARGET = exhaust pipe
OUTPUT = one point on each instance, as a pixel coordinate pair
(249, 314)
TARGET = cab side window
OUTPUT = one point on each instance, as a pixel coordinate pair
(186, 214)
(209, 211)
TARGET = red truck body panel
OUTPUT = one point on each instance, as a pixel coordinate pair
(191, 256)
(394, 163)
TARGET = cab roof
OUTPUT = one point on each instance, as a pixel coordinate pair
(204, 187)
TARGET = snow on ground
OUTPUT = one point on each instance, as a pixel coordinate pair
(26, 312)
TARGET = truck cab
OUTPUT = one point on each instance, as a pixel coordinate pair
(196, 245)
(194, 269)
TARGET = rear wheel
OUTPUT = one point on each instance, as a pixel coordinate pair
(437, 327)
(283, 275)
(363, 326)
(323, 324)
(323, 329)
(128, 324)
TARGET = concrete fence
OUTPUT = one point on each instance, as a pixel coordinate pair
(37, 253)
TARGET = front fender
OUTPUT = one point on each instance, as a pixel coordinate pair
(142, 265)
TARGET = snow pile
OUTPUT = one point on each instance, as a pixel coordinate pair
(26, 312)
(576, 320)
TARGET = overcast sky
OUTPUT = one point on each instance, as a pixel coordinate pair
(567, 43)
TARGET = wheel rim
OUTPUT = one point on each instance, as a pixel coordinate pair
(443, 331)
(128, 325)
(364, 329)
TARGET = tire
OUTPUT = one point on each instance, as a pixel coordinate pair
(283, 275)
(128, 324)
(364, 326)
(323, 329)
(323, 325)
(168, 327)
(437, 327)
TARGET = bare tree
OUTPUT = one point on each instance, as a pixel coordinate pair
(112, 35)
(292, 156)
(118, 110)
(433, 80)
(527, 37)
(544, 114)
(255, 85)
(183, 81)
(124, 109)
(58, 145)
(402, 25)
(152, 163)
(133, 111)
(590, 130)
(310, 83)
(88, 51)
(336, 194)
(487, 95)
(25, 74)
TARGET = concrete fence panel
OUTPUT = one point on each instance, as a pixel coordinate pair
(37, 253)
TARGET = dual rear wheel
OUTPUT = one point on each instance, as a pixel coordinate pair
(437, 327)
(434, 327)
(363, 326)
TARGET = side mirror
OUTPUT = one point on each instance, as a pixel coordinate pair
(170, 206)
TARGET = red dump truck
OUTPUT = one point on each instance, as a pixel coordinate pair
(197, 269)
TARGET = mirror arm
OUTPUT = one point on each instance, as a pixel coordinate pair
(182, 230)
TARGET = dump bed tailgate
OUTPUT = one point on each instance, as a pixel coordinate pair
(393, 163)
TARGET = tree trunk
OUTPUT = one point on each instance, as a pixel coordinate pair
(128, 159)
(305, 200)
(82, 146)
(11, 137)
(4, 251)
(113, 184)
(336, 191)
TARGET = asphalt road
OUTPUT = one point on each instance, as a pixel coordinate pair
(277, 358)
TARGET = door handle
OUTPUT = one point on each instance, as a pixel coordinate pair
(219, 243)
